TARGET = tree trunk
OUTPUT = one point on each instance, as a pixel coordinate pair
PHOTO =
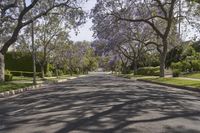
(71, 73)
(163, 58)
(162, 66)
(42, 71)
(2, 68)
(135, 67)
(57, 73)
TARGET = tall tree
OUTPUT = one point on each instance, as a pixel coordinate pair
(15, 14)
(157, 14)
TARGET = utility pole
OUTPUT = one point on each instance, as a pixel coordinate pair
(33, 54)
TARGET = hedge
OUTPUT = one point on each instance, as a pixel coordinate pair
(17, 61)
(149, 71)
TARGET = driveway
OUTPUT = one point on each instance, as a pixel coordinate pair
(101, 104)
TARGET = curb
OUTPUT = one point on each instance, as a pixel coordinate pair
(34, 87)
(170, 85)
(17, 91)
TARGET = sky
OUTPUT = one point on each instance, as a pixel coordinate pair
(85, 32)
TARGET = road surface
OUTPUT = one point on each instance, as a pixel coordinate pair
(101, 104)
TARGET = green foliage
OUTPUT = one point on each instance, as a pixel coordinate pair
(8, 76)
(49, 67)
(197, 1)
(60, 72)
(149, 60)
(196, 46)
(177, 81)
(195, 65)
(188, 51)
(195, 75)
(176, 66)
(186, 66)
(176, 73)
(17, 61)
(7, 86)
(49, 74)
(174, 55)
(149, 71)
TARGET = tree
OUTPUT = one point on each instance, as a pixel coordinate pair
(49, 33)
(157, 14)
(16, 14)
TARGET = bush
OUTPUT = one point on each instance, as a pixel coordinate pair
(60, 73)
(176, 73)
(186, 66)
(8, 76)
(149, 71)
(195, 65)
(176, 66)
(49, 74)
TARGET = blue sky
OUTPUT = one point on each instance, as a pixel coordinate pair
(84, 31)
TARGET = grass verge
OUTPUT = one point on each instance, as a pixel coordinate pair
(132, 76)
(128, 76)
(192, 75)
(176, 81)
(7, 86)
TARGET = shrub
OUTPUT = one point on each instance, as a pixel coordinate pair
(176, 73)
(186, 66)
(60, 73)
(149, 71)
(195, 65)
(177, 65)
(8, 76)
(49, 74)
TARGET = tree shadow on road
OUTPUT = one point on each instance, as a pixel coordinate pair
(103, 104)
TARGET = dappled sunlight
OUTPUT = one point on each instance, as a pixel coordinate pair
(101, 104)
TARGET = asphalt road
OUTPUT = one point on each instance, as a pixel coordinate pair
(101, 104)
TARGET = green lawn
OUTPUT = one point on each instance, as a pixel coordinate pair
(132, 76)
(30, 79)
(176, 81)
(19, 82)
(19, 78)
(12, 86)
(192, 75)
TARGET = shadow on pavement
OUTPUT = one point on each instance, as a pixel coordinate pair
(101, 104)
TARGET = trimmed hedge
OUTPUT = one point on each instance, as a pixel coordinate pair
(17, 61)
(149, 71)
